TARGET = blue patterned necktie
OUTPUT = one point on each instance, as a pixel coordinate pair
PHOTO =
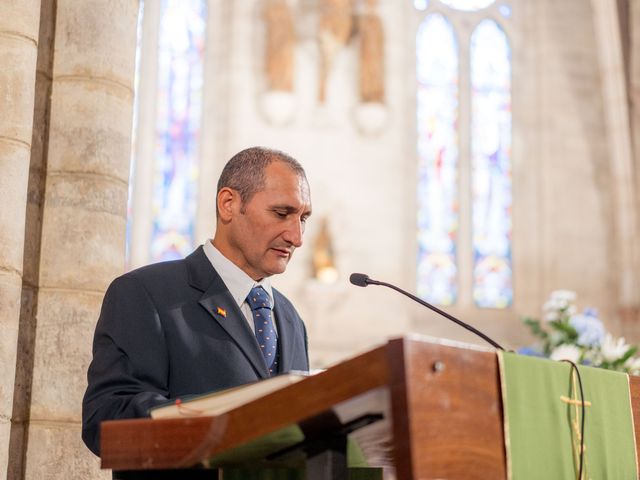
(260, 304)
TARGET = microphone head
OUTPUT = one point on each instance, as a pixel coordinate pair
(359, 279)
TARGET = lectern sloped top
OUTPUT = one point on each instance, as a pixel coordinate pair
(441, 404)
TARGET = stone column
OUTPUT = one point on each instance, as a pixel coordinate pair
(18, 52)
(609, 34)
(631, 324)
(32, 236)
(84, 217)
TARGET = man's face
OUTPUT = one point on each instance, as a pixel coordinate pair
(264, 232)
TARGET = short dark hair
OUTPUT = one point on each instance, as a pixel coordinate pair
(244, 172)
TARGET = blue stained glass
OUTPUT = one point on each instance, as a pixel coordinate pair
(437, 117)
(491, 165)
(179, 104)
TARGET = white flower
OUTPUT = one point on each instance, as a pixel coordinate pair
(559, 305)
(553, 305)
(567, 296)
(612, 349)
(552, 316)
(633, 364)
(566, 352)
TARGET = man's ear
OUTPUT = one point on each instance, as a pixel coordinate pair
(226, 199)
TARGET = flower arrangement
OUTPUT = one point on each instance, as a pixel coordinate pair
(580, 337)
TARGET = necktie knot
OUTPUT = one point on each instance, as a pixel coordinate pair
(258, 298)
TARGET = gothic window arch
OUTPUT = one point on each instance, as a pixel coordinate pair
(464, 131)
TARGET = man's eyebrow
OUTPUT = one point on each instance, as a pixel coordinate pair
(291, 209)
(287, 208)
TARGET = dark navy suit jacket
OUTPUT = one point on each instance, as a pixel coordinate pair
(173, 329)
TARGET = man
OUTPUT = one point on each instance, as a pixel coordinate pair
(205, 322)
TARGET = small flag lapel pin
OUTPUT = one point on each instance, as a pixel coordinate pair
(222, 311)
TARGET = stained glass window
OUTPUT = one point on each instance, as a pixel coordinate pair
(491, 165)
(179, 103)
(437, 117)
(484, 69)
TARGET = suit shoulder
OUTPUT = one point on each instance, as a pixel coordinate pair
(154, 273)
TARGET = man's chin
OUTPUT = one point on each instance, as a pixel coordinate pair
(277, 268)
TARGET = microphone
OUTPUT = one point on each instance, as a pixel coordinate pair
(362, 280)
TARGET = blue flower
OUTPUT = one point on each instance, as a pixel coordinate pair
(530, 351)
(589, 327)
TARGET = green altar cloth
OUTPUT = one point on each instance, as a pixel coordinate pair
(542, 417)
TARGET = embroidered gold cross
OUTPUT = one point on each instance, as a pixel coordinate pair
(576, 423)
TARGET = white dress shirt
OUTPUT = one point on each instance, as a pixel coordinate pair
(237, 281)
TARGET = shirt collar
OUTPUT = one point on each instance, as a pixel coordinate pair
(236, 280)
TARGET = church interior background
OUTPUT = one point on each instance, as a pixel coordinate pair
(481, 153)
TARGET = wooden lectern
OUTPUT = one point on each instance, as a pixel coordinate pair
(440, 403)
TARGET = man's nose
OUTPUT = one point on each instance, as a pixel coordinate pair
(294, 233)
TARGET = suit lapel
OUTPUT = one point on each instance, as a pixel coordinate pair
(285, 333)
(225, 311)
(219, 303)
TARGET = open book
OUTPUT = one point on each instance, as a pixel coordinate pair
(221, 401)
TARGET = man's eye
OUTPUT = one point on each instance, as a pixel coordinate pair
(281, 214)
